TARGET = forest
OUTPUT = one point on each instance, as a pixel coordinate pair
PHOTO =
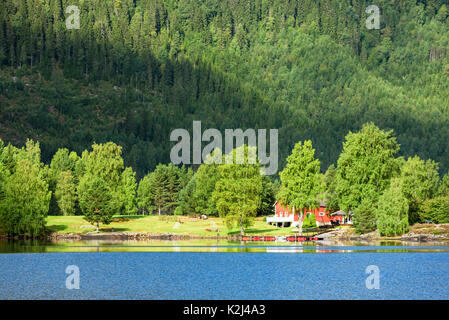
(137, 69)
(86, 113)
(382, 190)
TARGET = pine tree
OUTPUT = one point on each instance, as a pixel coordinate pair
(365, 216)
(330, 185)
(267, 198)
(96, 200)
(161, 187)
(186, 199)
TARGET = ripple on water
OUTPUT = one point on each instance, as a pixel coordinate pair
(193, 275)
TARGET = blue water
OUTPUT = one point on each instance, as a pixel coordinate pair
(206, 275)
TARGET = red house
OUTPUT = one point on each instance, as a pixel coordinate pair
(286, 217)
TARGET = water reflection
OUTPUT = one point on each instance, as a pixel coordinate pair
(36, 246)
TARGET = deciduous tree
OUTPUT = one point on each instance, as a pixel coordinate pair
(300, 179)
(364, 169)
(237, 193)
(127, 191)
(65, 193)
(392, 211)
(26, 201)
(419, 182)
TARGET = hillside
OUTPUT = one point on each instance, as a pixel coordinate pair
(135, 70)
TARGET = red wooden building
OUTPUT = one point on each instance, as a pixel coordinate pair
(286, 217)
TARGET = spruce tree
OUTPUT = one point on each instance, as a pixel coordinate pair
(96, 200)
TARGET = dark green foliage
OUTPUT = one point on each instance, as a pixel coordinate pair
(136, 70)
(365, 217)
(436, 210)
(187, 202)
(96, 200)
(267, 198)
(161, 188)
(330, 188)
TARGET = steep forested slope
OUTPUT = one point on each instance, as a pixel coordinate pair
(135, 70)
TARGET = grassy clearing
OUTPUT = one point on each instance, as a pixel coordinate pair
(160, 225)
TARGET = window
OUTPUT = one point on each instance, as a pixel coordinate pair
(321, 214)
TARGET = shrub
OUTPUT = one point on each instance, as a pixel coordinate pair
(309, 221)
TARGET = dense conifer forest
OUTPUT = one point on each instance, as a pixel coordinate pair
(86, 113)
(137, 69)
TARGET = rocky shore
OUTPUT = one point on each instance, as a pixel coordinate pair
(418, 233)
(134, 236)
(437, 233)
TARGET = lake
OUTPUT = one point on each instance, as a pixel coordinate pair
(222, 270)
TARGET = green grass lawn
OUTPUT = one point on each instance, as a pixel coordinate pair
(160, 225)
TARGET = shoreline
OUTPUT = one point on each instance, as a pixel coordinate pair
(119, 236)
(142, 236)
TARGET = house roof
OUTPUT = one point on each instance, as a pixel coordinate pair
(339, 213)
(322, 203)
